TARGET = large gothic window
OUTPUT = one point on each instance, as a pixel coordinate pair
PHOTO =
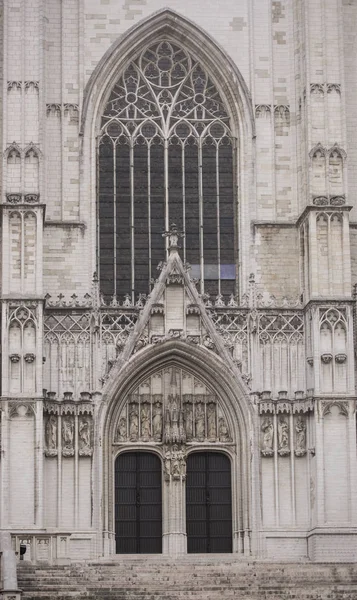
(165, 155)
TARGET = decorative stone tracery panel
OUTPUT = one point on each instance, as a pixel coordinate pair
(172, 407)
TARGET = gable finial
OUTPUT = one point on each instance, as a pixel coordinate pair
(173, 234)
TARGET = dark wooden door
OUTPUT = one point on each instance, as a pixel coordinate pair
(208, 503)
(138, 515)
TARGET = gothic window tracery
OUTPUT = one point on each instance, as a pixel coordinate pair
(165, 155)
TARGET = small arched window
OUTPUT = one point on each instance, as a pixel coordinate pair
(165, 155)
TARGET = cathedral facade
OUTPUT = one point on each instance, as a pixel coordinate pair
(178, 259)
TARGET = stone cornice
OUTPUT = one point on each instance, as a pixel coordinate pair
(326, 209)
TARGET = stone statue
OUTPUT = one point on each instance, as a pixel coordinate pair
(167, 431)
(175, 463)
(68, 436)
(134, 423)
(84, 434)
(268, 437)
(283, 437)
(188, 421)
(211, 422)
(51, 433)
(175, 469)
(300, 437)
(200, 422)
(121, 430)
(175, 434)
(182, 431)
(145, 422)
(157, 421)
(223, 432)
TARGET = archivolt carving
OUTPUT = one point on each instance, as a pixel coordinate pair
(172, 407)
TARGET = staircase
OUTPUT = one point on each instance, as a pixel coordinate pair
(192, 577)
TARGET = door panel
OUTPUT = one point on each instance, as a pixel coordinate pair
(138, 512)
(208, 503)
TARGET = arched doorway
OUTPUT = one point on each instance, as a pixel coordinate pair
(173, 411)
(208, 503)
(138, 511)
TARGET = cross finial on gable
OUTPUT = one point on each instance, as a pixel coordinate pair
(173, 234)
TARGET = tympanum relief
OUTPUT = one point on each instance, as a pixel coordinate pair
(172, 407)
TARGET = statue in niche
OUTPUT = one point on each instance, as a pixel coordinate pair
(182, 432)
(175, 434)
(223, 432)
(145, 422)
(68, 436)
(211, 422)
(133, 422)
(175, 463)
(121, 430)
(188, 421)
(268, 437)
(283, 437)
(84, 435)
(157, 421)
(300, 437)
(167, 432)
(51, 433)
(200, 422)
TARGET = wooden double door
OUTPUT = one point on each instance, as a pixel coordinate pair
(138, 503)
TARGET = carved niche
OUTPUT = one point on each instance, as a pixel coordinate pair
(68, 435)
(172, 407)
(51, 435)
(85, 435)
(300, 436)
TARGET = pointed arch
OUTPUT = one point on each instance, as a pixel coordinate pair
(13, 149)
(231, 86)
(167, 22)
(213, 372)
(207, 365)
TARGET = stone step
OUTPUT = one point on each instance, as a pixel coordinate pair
(188, 578)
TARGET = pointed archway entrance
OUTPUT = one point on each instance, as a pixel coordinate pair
(168, 416)
(175, 391)
(138, 514)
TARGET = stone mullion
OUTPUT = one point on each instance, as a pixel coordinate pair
(42, 105)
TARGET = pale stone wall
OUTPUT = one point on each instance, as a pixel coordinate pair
(279, 359)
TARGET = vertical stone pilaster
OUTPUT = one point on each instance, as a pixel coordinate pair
(174, 533)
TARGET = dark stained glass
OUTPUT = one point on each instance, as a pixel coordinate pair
(165, 155)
